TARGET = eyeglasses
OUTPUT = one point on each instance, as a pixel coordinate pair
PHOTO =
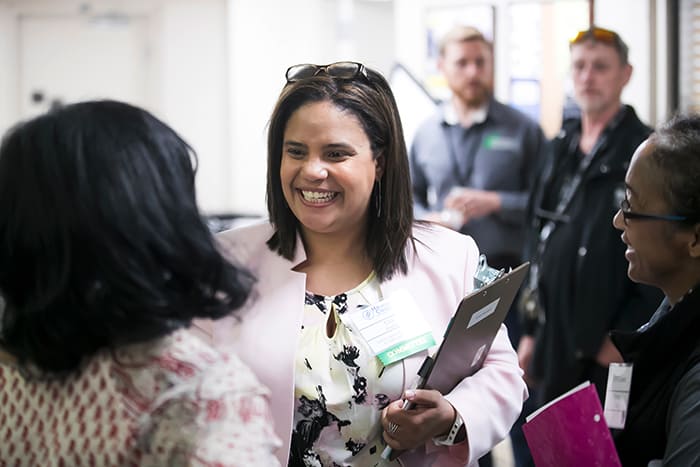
(627, 214)
(341, 70)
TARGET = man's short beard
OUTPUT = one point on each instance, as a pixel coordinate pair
(479, 101)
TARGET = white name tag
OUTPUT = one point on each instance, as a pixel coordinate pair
(393, 328)
(617, 394)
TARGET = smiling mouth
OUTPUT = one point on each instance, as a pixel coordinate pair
(318, 197)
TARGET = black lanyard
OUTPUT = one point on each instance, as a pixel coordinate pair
(567, 193)
(463, 176)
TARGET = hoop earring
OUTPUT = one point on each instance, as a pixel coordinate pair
(378, 198)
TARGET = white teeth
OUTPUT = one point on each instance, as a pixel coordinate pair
(318, 196)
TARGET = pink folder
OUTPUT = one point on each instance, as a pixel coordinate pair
(570, 431)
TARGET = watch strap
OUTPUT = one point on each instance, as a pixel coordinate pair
(449, 438)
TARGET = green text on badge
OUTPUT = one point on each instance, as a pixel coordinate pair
(406, 348)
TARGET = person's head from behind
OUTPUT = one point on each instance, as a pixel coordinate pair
(101, 241)
(660, 215)
(466, 61)
(337, 162)
(599, 69)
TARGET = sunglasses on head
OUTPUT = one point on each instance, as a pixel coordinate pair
(341, 70)
(599, 34)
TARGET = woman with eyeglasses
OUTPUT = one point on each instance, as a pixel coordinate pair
(104, 263)
(660, 224)
(342, 248)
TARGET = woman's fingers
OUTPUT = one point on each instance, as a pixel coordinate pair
(430, 416)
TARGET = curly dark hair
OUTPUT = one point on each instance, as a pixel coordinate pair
(369, 98)
(676, 152)
(101, 240)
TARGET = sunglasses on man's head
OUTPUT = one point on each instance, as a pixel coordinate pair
(341, 70)
(599, 34)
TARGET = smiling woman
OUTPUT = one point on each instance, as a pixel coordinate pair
(328, 174)
(342, 238)
(659, 244)
(660, 224)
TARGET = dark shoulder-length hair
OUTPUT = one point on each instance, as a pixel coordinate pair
(676, 152)
(101, 241)
(369, 98)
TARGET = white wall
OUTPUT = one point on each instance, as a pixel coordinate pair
(187, 77)
(662, 111)
(411, 47)
(190, 87)
(374, 34)
(9, 101)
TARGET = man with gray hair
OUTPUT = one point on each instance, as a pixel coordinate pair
(578, 289)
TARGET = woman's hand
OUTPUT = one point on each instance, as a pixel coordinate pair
(432, 416)
(608, 353)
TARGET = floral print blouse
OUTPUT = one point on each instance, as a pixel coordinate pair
(174, 401)
(341, 387)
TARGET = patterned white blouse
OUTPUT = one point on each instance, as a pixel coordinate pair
(341, 387)
(173, 402)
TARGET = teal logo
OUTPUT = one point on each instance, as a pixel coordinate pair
(406, 348)
(496, 142)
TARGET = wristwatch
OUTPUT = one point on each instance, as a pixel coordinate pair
(449, 438)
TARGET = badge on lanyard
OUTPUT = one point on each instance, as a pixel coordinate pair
(617, 394)
(393, 328)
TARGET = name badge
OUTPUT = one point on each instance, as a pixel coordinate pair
(617, 394)
(393, 328)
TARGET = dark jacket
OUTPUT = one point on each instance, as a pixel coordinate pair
(664, 354)
(583, 285)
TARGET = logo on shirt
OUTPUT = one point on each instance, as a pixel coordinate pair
(496, 142)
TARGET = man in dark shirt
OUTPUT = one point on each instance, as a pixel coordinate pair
(579, 285)
(473, 163)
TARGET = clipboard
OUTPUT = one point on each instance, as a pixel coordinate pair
(471, 331)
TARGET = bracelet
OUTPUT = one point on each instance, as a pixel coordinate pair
(449, 438)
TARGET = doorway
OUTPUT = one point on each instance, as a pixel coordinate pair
(69, 58)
